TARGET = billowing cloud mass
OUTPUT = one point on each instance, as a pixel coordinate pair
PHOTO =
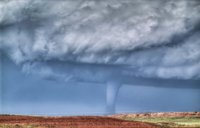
(82, 38)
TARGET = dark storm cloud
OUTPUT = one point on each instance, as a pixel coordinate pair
(141, 38)
(116, 42)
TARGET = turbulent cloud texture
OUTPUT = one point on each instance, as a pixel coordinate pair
(158, 38)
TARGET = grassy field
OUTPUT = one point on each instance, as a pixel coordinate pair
(145, 120)
(170, 122)
(165, 122)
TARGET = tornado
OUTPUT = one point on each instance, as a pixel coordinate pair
(111, 96)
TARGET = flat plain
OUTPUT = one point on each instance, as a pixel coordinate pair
(166, 120)
(144, 120)
(13, 121)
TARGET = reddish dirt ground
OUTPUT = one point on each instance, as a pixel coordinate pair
(74, 122)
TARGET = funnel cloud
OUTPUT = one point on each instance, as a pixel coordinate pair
(112, 92)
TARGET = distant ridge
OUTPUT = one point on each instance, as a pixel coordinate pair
(158, 114)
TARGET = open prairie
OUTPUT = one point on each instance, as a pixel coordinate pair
(9, 121)
(166, 120)
(145, 120)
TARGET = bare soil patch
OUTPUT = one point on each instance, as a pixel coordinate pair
(71, 122)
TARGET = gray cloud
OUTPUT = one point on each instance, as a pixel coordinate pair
(109, 41)
(147, 38)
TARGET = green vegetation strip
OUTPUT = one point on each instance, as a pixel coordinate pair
(187, 122)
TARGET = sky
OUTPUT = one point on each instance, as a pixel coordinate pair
(105, 56)
(33, 95)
